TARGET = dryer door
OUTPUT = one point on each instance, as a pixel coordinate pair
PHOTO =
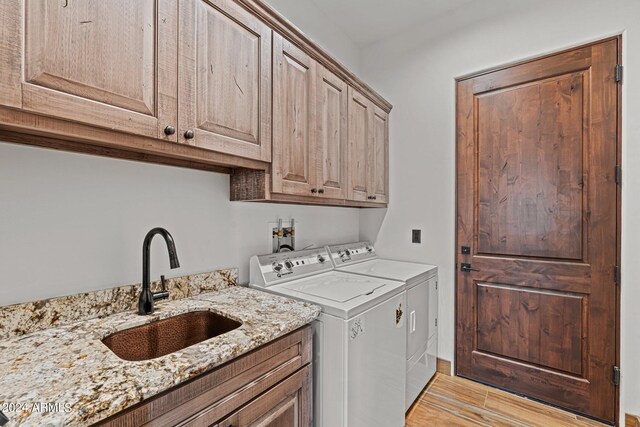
(417, 319)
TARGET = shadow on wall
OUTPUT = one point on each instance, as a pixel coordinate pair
(371, 221)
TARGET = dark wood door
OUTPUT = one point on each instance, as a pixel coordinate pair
(537, 206)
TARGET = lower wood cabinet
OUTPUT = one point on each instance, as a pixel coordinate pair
(268, 387)
(282, 406)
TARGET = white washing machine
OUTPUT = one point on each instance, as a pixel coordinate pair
(359, 338)
(421, 284)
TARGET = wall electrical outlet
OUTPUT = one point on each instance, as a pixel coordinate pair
(416, 236)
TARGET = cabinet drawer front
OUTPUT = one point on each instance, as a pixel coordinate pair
(98, 62)
(236, 391)
(225, 78)
(286, 405)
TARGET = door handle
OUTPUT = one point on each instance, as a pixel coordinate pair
(413, 321)
(465, 268)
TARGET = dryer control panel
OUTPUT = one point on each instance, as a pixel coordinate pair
(351, 253)
(271, 269)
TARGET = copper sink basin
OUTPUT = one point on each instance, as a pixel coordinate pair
(168, 335)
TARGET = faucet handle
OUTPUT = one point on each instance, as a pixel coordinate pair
(164, 293)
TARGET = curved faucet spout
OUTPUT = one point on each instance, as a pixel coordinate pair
(145, 303)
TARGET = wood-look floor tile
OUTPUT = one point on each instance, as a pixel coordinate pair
(423, 414)
(452, 401)
(470, 412)
(530, 412)
(449, 387)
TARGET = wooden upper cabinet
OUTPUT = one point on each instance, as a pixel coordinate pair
(359, 146)
(368, 150)
(106, 63)
(379, 170)
(331, 142)
(294, 119)
(225, 79)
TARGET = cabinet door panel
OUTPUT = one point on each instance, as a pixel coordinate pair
(11, 31)
(286, 405)
(379, 156)
(225, 79)
(98, 62)
(359, 141)
(294, 159)
(331, 140)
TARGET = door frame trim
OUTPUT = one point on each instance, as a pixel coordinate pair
(618, 39)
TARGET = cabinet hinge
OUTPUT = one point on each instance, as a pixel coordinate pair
(616, 274)
(436, 286)
(619, 70)
(618, 174)
(616, 375)
(436, 321)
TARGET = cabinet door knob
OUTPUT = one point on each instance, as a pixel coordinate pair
(369, 197)
(321, 191)
(314, 190)
(189, 134)
(374, 197)
(169, 130)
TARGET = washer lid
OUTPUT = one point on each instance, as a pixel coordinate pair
(338, 289)
(340, 294)
(408, 272)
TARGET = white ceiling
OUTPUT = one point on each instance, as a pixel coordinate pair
(368, 21)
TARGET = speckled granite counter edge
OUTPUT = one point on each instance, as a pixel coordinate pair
(71, 368)
(22, 319)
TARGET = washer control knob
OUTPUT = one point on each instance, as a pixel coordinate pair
(347, 253)
(276, 267)
(288, 264)
(321, 259)
(369, 249)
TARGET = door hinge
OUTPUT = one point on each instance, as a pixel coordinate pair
(436, 285)
(616, 274)
(619, 71)
(618, 174)
(436, 321)
(616, 375)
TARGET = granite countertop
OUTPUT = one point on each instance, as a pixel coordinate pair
(65, 376)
